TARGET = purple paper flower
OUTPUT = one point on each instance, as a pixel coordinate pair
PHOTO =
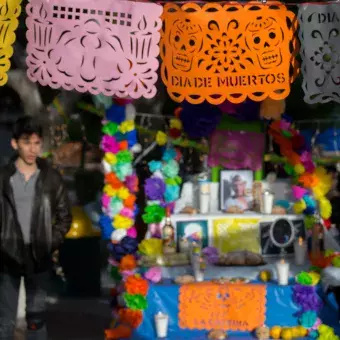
(154, 188)
(109, 144)
(126, 246)
(306, 298)
(211, 254)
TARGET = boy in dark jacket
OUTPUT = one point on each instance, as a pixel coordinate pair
(35, 216)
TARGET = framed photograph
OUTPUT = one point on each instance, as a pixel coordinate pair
(193, 231)
(236, 188)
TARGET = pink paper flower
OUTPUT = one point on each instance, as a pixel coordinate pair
(105, 201)
(126, 273)
(307, 161)
(132, 232)
(284, 125)
(131, 183)
(154, 274)
(109, 144)
(298, 192)
(126, 212)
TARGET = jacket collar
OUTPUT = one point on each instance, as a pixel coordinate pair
(10, 169)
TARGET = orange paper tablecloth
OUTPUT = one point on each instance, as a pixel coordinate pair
(237, 307)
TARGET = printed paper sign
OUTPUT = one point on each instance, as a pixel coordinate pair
(320, 51)
(231, 234)
(106, 46)
(232, 52)
(236, 307)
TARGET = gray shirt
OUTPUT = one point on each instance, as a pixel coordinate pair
(24, 194)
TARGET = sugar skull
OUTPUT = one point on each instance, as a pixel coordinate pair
(186, 39)
(264, 36)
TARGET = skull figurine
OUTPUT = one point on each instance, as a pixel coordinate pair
(186, 39)
(264, 36)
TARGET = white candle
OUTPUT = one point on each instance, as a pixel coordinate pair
(300, 251)
(161, 321)
(204, 196)
(267, 202)
(282, 269)
(214, 198)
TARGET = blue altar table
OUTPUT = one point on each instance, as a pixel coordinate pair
(280, 310)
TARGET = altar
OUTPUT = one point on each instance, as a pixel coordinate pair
(280, 310)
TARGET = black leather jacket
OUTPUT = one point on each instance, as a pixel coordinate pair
(51, 219)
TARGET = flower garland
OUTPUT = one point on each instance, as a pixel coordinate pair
(117, 221)
(311, 183)
(306, 297)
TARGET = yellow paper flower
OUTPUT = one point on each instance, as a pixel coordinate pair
(123, 193)
(324, 183)
(299, 169)
(108, 190)
(127, 126)
(151, 247)
(122, 222)
(175, 124)
(325, 208)
(161, 138)
(299, 206)
(110, 158)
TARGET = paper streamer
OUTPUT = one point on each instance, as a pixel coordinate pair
(108, 47)
(320, 52)
(232, 52)
(9, 13)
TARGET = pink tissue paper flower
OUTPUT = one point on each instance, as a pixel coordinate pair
(298, 192)
(109, 144)
(154, 274)
(132, 232)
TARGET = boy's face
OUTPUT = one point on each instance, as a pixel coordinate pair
(28, 147)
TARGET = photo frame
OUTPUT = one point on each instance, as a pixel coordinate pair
(193, 231)
(236, 190)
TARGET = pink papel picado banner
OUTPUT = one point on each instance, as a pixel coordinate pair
(105, 46)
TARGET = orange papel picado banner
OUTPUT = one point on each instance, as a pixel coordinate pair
(9, 12)
(229, 52)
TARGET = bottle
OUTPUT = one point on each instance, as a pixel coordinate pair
(168, 234)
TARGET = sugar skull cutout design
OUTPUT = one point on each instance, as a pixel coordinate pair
(264, 36)
(186, 39)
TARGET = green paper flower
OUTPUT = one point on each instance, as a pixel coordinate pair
(115, 275)
(304, 279)
(123, 170)
(110, 128)
(124, 156)
(286, 134)
(336, 261)
(309, 222)
(289, 170)
(135, 302)
(153, 214)
(170, 181)
(329, 252)
(171, 169)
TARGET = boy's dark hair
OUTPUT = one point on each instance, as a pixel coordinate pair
(26, 126)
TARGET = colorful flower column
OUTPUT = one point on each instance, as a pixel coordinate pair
(117, 222)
